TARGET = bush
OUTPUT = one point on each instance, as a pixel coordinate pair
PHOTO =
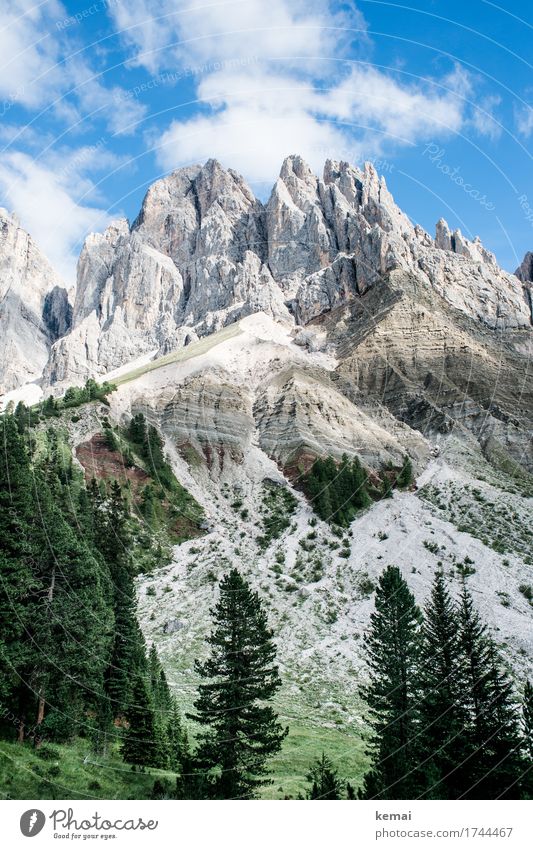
(527, 591)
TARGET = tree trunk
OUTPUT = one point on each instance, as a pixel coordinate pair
(20, 737)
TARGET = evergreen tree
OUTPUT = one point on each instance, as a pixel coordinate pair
(19, 587)
(324, 780)
(137, 429)
(496, 766)
(405, 476)
(393, 648)
(128, 655)
(179, 755)
(140, 745)
(241, 731)
(527, 728)
(445, 728)
(71, 627)
(527, 720)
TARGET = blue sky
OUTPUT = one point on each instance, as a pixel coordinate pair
(100, 97)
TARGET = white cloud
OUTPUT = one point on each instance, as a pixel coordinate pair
(28, 51)
(524, 120)
(295, 91)
(38, 69)
(484, 119)
(196, 31)
(48, 198)
(256, 119)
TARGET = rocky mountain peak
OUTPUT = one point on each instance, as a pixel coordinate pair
(524, 272)
(34, 305)
(204, 251)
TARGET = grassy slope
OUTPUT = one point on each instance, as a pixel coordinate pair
(305, 743)
(78, 774)
(24, 775)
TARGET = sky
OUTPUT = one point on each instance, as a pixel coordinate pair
(99, 99)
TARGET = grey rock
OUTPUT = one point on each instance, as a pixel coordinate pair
(34, 306)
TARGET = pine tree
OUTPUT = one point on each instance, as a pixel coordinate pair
(324, 780)
(527, 749)
(73, 622)
(527, 719)
(128, 654)
(19, 586)
(163, 704)
(140, 746)
(393, 648)
(241, 731)
(405, 476)
(179, 755)
(496, 767)
(137, 429)
(445, 723)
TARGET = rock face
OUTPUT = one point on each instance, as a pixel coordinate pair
(524, 272)
(204, 252)
(34, 306)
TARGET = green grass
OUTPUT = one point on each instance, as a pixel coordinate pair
(196, 349)
(305, 743)
(77, 774)
(80, 774)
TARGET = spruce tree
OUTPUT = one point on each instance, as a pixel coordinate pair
(405, 476)
(393, 650)
(527, 748)
(140, 745)
(527, 720)
(496, 766)
(241, 730)
(324, 780)
(445, 723)
(19, 586)
(71, 631)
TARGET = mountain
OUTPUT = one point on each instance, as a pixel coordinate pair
(257, 337)
(34, 306)
(204, 251)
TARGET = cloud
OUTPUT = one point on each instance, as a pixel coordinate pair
(524, 120)
(297, 91)
(48, 198)
(40, 68)
(28, 51)
(253, 120)
(193, 31)
(483, 118)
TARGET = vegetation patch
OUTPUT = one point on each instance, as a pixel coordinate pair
(338, 492)
(277, 507)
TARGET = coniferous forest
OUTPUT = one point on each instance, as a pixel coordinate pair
(445, 718)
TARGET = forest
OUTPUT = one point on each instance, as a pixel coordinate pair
(444, 717)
